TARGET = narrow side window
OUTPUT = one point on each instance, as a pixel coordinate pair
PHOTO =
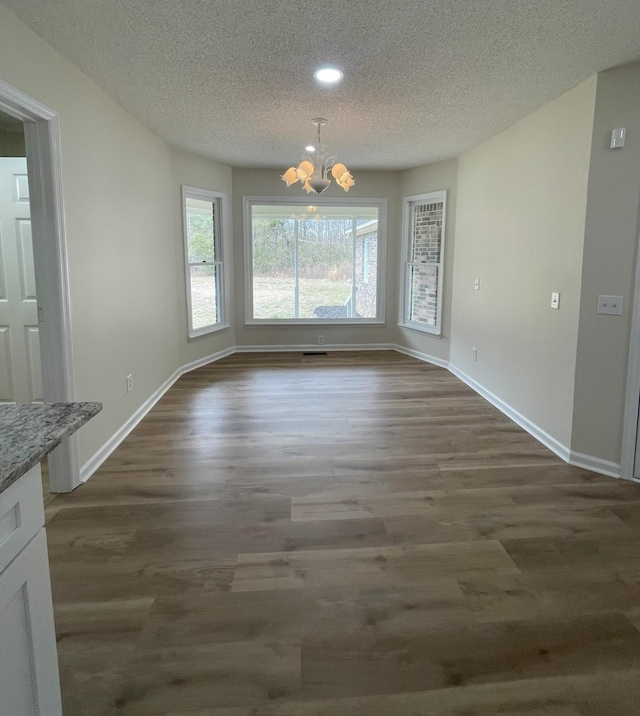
(202, 214)
(424, 262)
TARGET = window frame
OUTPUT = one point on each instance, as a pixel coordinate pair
(407, 245)
(220, 213)
(366, 248)
(248, 202)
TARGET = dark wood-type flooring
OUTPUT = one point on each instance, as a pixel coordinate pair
(355, 533)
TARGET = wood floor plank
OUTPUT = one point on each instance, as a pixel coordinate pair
(559, 474)
(504, 523)
(492, 652)
(87, 625)
(340, 535)
(288, 618)
(419, 502)
(584, 695)
(407, 564)
(607, 553)
(143, 683)
(544, 596)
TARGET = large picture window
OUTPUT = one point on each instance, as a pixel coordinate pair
(314, 263)
(424, 220)
(202, 214)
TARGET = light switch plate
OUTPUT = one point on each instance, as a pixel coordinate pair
(617, 138)
(555, 300)
(610, 305)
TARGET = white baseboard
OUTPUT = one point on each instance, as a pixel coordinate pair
(96, 460)
(595, 464)
(422, 356)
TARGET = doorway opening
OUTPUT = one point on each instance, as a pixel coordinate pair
(20, 366)
(42, 150)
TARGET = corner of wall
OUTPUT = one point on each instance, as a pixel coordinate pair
(608, 267)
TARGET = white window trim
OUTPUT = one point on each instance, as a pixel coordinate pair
(222, 227)
(249, 201)
(405, 281)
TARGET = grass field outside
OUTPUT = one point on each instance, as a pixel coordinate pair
(274, 297)
(203, 301)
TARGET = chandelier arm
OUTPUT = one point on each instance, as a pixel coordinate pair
(328, 165)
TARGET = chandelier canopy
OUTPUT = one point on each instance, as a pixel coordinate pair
(313, 170)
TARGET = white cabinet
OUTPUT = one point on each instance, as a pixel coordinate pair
(29, 680)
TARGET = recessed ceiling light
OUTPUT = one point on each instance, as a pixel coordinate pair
(310, 148)
(328, 75)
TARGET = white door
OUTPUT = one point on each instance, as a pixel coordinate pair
(20, 371)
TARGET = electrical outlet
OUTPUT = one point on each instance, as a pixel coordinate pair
(129, 383)
(610, 305)
(474, 354)
(320, 340)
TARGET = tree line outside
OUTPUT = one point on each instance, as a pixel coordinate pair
(325, 248)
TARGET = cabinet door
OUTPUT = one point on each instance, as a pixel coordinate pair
(21, 514)
(29, 681)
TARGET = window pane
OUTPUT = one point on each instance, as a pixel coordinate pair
(424, 294)
(274, 257)
(204, 296)
(200, 230)
(427, 233)
(325, 267)
(311, 262)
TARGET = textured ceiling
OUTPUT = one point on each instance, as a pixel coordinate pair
(424, 79)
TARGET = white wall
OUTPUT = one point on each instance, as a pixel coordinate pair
(520, 229)
(433, 177)
(267, 182)
(195, 171)
(610, 249)
(117, 185)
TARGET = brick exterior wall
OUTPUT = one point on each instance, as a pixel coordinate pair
(426, 246)
(366, 268)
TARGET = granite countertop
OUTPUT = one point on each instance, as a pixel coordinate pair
(29, 432)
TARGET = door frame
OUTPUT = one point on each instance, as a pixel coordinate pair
(44, 166)
(631, 421)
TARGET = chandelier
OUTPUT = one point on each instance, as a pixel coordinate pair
(313, 170)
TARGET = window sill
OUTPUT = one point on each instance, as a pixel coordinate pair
(433, 332)
(314, 322)
(202, 333)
